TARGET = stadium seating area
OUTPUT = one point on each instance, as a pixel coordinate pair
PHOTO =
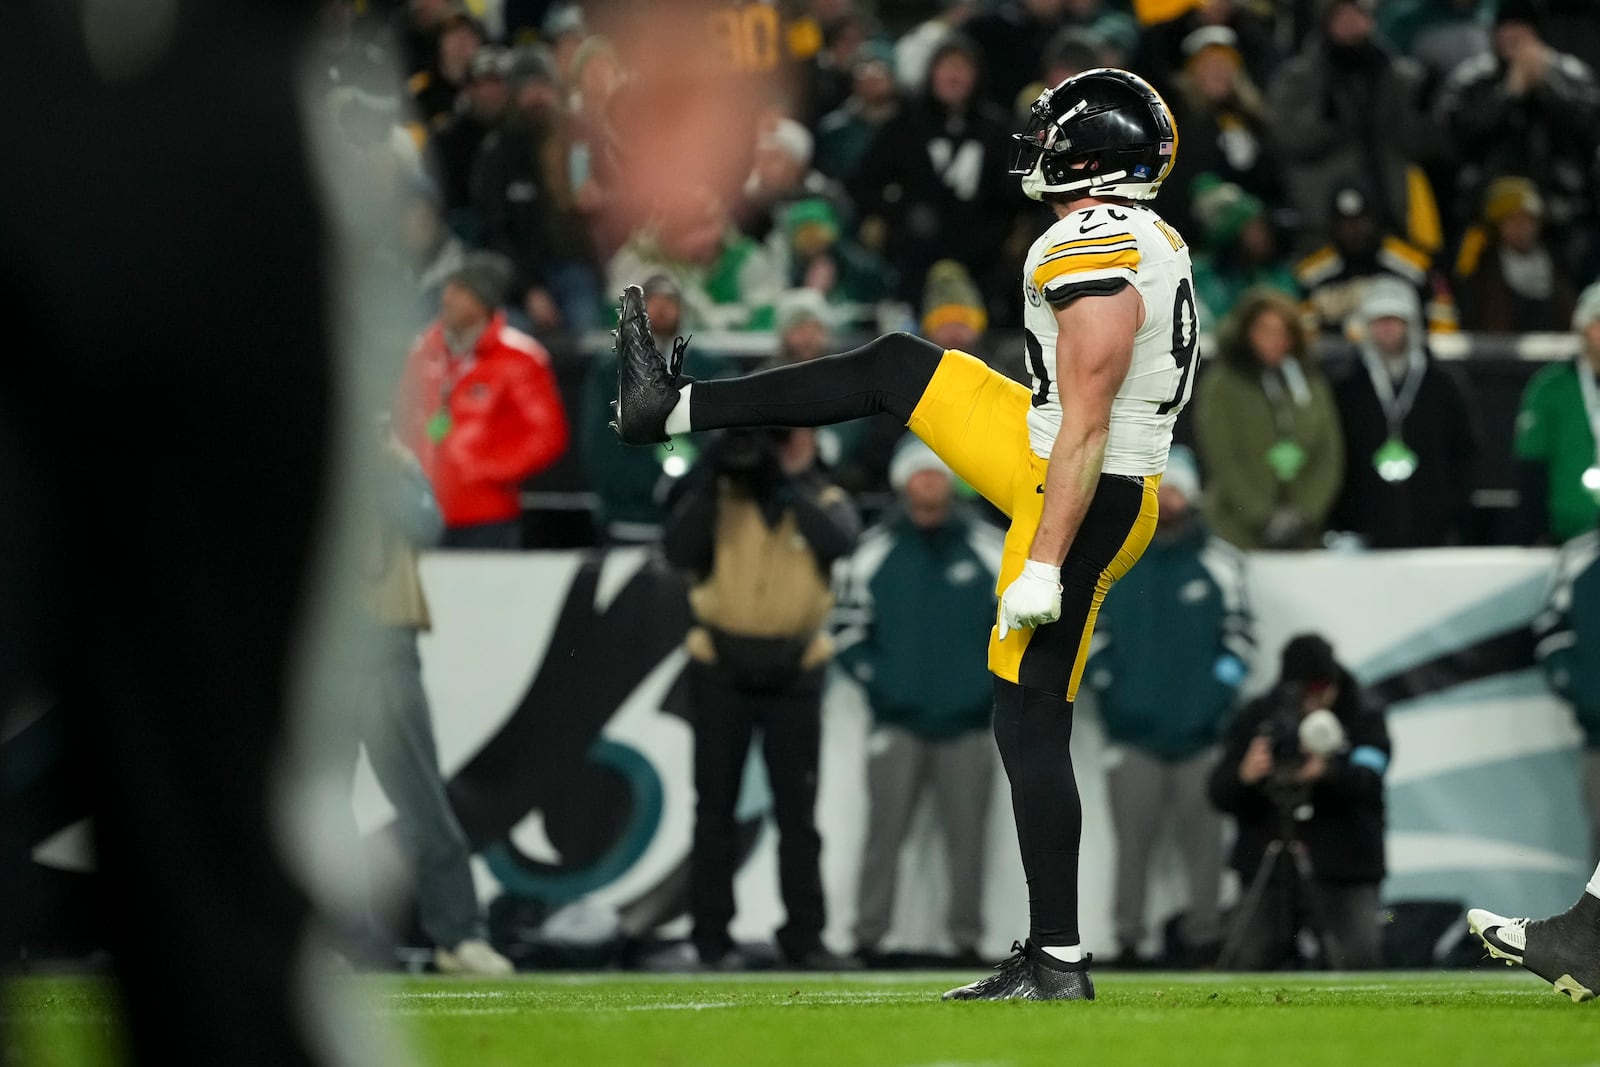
(795, 161)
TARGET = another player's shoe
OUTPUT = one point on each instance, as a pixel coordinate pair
(647, 384)
(1031, 974)
(1564, 949)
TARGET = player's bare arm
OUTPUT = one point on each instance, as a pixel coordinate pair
(1093, 351)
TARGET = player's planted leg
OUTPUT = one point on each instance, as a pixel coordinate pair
(1564, 949)
(1034, 732)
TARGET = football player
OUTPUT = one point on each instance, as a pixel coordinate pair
(1074, 461)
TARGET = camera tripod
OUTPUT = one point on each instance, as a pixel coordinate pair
(1285, 847)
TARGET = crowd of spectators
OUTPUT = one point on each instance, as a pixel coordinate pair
(860, 185)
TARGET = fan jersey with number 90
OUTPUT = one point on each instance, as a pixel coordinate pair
(1095, 251)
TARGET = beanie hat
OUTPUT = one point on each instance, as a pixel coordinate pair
(1309, 658)
(1213, 37)
(1223, 209)
(1587, 309)
(913, 457)
(875, 50)
(486, 275)
(1389, 294)
(813, 211)
(662, 284)
(795, 306)
(1529, 12)
(789, 137)
(1507, 196)
(1182, 473)
(950, 295)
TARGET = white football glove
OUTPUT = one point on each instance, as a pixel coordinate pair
(1031, 600)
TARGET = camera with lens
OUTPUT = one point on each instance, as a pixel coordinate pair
(1281, 728)
(750, 456)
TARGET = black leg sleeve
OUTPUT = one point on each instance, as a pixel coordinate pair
(885, 375)
(1034, 732)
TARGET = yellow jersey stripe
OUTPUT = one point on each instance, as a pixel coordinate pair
(1125, 259)
(1088, 242)
(1091, 250)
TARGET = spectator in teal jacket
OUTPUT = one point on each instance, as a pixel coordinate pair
(1172, 647)
(915, 604)
(1568, 634)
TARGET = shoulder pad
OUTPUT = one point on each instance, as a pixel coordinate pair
(1405, 258)
(1318, 267)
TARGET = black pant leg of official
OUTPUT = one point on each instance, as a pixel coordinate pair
(791, 744)
(168, 266)
(723, 724)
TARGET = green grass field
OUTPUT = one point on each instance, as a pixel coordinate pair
(1504, 1018)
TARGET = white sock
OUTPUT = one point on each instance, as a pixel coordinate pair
(1065, 953)
(1593, 888)
(678, 418)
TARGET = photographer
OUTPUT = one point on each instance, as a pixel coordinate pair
(758, 528)
(1304, 766)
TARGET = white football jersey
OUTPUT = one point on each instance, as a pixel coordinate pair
(1096, 250)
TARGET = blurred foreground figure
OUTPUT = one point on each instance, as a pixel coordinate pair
(162, 465)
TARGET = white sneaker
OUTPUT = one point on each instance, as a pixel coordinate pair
(473, 957)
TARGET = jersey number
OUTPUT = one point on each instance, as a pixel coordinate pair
(749, 35)
(1036, 367)
(1185, 339)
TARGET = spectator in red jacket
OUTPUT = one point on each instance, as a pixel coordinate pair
(478, 405)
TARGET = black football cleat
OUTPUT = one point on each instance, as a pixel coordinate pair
(1051, 979)
(1001, 985)
(648, 384)
(1564, 949)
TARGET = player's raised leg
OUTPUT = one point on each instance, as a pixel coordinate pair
(654, 401)
(1564, 949)
(973, 417)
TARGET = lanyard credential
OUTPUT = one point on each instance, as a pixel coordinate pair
(1394, 459)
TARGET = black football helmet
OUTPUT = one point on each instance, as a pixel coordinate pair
(1104, 132)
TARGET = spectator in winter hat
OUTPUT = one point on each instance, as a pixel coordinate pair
(1509, 280)
(479, 408)
(1410, 435)
(1239, 248)
(953, 315)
